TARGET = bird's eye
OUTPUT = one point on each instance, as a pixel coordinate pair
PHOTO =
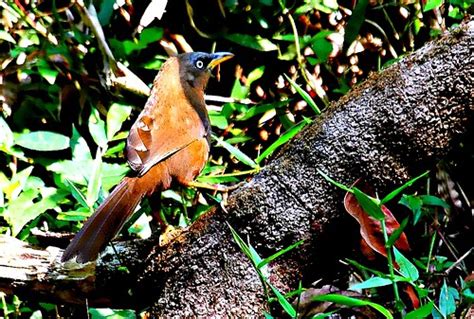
(199, 64)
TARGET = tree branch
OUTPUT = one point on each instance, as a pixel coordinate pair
(391, 127)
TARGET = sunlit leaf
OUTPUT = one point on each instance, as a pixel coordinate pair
(116, 115)
(97, 129)
(254, 75)
(79, 147)
(432, 4)
(218, 120)
(5, 36)
(17, 183)
(42, 141)
(26, 208)
(48, 74)
(141, 227)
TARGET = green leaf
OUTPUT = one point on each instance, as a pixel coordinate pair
(79, 147)
(97, 129)
(414, 203)
(422, 312)
(241, 243)
(239, 91)
(447, 300)
(76, 193)
(431, 200)
(93, 186)
(256, 74)
(396, 234)
(42, 141)
(371, 283)
(353, 302)
(255, 257)
(107, 313)
(236, 152)
(25, 208)
(304, 95)
(262, 108)
(407, 269)
(397, 191)
(330, 180)
(252, 42)
(283, 302)
(432, 4)
(370, 205)
(141, 227)
(17, 183)
(6, 135)
(278, 254)
(77, 172)
(355, 22)
(283, 139)
(48, 74)
(105, 11)
(322, 47)
(116, 115)
(218, 120)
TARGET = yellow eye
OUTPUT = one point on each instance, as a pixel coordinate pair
(199, 64)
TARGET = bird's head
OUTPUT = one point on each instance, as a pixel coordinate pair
(195, 68)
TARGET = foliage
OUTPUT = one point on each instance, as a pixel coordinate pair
(70, 88)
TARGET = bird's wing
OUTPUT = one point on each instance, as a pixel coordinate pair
(156, 136)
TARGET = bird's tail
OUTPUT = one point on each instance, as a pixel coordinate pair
(106, 222)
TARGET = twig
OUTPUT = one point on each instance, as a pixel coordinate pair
(447, 271)
(224, 99)
(121, 76)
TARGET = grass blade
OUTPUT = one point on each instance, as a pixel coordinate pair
(284, 138)
(304, 95)
(353, 302)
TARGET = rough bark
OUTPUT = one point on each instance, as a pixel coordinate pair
(393, 126)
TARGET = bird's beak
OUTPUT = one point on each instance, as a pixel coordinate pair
(218, 58)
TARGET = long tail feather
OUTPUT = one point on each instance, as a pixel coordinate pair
(106, 222)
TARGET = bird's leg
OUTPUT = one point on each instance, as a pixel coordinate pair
(157, 213)
(214, 187)
(182, 191)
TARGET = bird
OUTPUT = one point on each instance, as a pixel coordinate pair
(168, 143)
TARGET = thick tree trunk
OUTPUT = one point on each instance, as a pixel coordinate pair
(395, 125)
